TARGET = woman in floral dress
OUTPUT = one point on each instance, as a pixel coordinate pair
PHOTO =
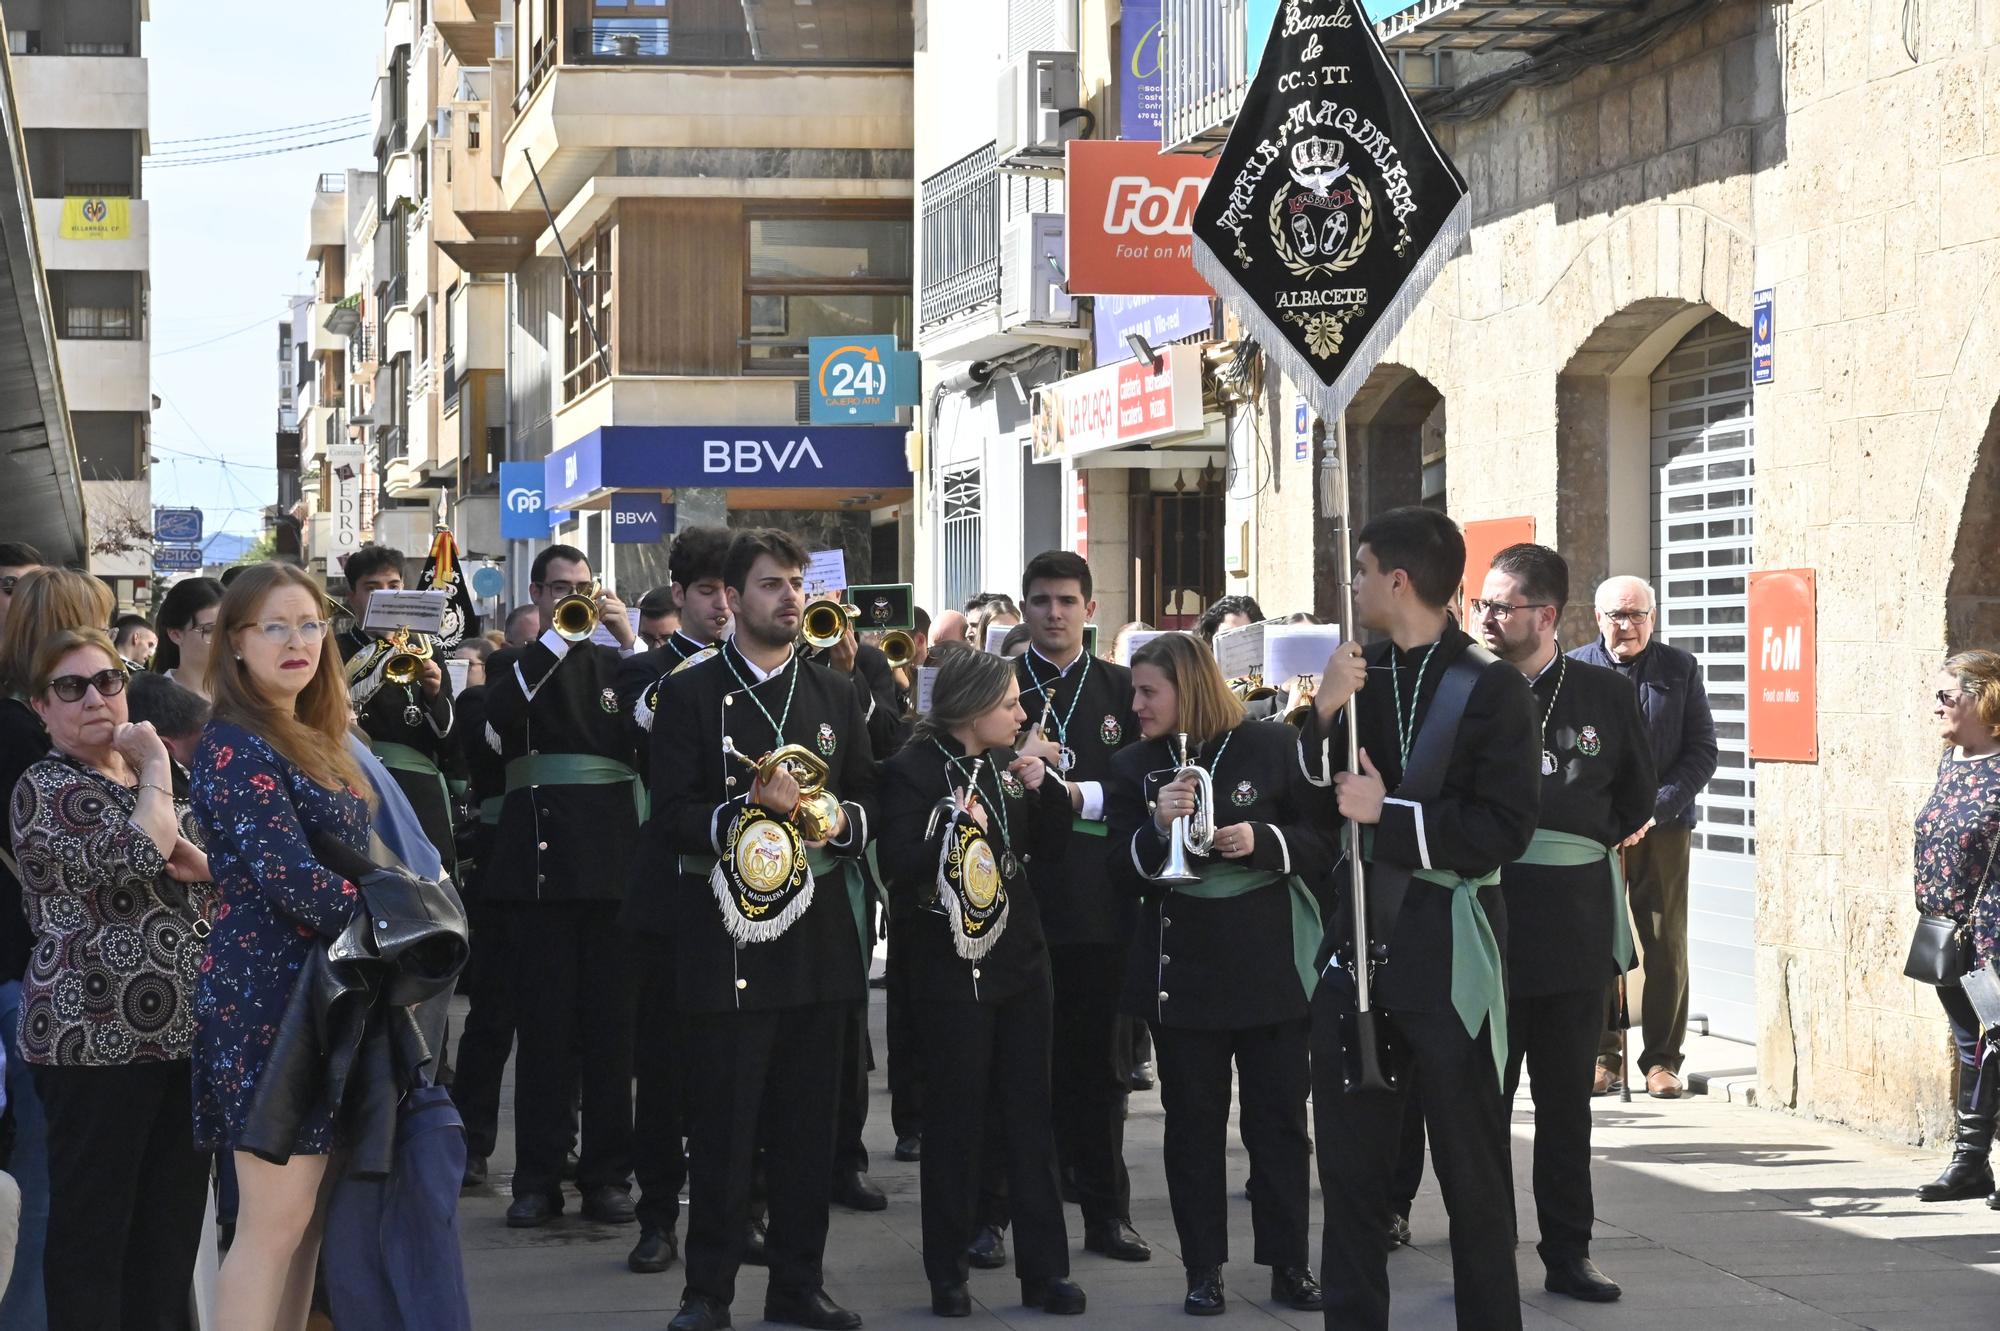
(273, 769)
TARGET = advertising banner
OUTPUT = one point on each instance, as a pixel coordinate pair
(1784, 649)
(1130, 228)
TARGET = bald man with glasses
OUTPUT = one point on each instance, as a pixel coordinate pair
(1682, 732)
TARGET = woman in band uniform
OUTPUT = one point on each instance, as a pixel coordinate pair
(1222, 967)
(979, 970)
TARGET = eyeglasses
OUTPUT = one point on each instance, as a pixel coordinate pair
(278, 633)
(562, 589)
(205, 630)
(1625, 619)
(1483, 609)
(8, 582)
(71, 688)
(1950, 698)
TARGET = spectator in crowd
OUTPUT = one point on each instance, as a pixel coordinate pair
(116, 890)
(997, 612)
(1682, 733)
(920, 635)
(45, 602)
(1958, 834)
(659, 616)
(187, 628)
(474, 652)
(177, 714)
(1231, 612)
(524, 625)
(1121, 641)
(1015, 643)
(16, 559)
(951, 626)
(135, 639)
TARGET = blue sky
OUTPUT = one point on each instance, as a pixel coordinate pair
(229, 239)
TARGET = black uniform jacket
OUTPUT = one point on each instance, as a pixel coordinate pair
(485, 773)
(1479, 821)
(698, 790)
(1559, 924)
(559, 842)
(647, 907)
(1036, 828)
(1220, 964)
(881, 701)
(1092, 717)
(383, 719)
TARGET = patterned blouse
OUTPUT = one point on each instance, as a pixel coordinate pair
(112, 975)
(1956, 835)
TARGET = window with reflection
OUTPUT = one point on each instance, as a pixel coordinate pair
(823, 277)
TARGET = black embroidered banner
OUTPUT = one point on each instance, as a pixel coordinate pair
(445, 574)
(1331, 210)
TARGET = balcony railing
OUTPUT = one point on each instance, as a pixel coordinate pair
(450, 381)
(99, 324)
(961, 239)
(399, 135)
(394, 291)
(333, 182)
(97, 189)
(1207, 68)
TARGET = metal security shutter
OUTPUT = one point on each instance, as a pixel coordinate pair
(1703, 472)
(1040, 25)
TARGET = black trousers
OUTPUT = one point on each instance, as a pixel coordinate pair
(1089, 1078)
(1273, 1075)
(569, 965)
(987, 1068)
(1359, 1136)
(906, 1071)
(659, 1082)
(1556, 1035)
(126, 1192)
(851, 1111)
(1409, 1175)
(487, 1037)
(770, 1075)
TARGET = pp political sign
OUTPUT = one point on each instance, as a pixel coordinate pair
(1130, 230)
(859, 380)
(523, 514)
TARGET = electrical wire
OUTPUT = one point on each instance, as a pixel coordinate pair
(265, 141)
(262, 322)
(253, 133)
(240, 157)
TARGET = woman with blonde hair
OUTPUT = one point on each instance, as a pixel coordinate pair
(274, 768)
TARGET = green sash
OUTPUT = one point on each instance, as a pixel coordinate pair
(402, 758)
(825, 865)
(1091, 827)
(1568, 850)
(489, 810)
(574, 769)
(1223, 879)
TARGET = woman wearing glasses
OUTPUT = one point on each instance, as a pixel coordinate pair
(273, 769)
(116, 892)
(187, 628)
(1958, 833)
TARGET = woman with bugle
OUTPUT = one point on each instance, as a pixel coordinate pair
(1214, 824)
(962, 814)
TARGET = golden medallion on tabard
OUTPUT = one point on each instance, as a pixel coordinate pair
(761, 881)
(972, 889)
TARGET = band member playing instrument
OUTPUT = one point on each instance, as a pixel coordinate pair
(1446, 796)
(961, 817)
(1081, 710)
(769, 921)
(1567, 929)
(659, 1160)
(561, 850)
(1222, 961)
(409, 725)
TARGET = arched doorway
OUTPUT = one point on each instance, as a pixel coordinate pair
(1396, 456)
(1972, 599)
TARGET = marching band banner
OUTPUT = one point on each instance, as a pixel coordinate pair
(1331, 210)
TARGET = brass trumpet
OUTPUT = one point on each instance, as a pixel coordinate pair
(1192, 834)
(575, 616)
(825, 621)
(1307, 687)
(406, 662)
(899, 647)
(818, 812)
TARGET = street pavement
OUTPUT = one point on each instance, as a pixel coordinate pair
(1710, 1213)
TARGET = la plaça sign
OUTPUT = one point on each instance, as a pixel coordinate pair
(1131, 403)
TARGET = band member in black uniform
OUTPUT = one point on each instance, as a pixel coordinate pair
(769, 917)
(487, 1037)
(1443, 807)
(659, 1160)
(1567, 928)
(561, 853)
(1221, 964)
(1080, 714)
(961, 817)
(409, 726)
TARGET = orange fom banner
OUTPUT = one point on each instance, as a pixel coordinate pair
(1483, 540)
(1783, 651)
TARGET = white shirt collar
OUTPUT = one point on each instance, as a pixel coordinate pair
(757, 673)
(1062, 672)
(1553, 660)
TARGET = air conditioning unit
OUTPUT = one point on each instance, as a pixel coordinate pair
(1031, 280)
(1036, 88)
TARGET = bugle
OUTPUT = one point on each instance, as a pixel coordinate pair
(818, 812)
(406, 660)
(575, 616)
(825, 622)
(1191, 833)
(899, 647)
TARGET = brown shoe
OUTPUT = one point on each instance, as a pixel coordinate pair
(1604, 1083)
(1663, 1084)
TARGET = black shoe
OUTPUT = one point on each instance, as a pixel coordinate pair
(1118, 1240)
(1204, 1296)
(1295, 1287)
(700, 1313)
(950, 1299)
(810, 1308)
(1399, 1231)
(655, 1251)
(569, 1167)
(755, 1251)
(1060, 1295)
(910, 1149)
(475, 1172)
(532, 1210)
(1579, 1278)
(1141, 1078)
(988, 1250)
(1993, 1202)
(1970, 1173)
(852, 1189)
(609, 1205)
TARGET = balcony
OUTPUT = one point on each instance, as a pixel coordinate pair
(959, 243)
(81, 92)
(466, 26)
(326, 225)
(1206, 71)
(325, 340)
(127, 253)
(394, 292)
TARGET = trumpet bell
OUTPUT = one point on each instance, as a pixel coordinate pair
(575, 618)
(899, 647)
(825, 622)
(407, 661)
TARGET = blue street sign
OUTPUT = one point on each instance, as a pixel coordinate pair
(488, 581)
(763, 457)
(176, 558)
(639, 519)
(524, 516)
(177, 526)
(858, 380)
(1763, 335)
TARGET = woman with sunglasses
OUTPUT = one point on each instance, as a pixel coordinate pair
(186, 628)
(1222, 966)
(116, 892)
(273, 769)
(1958, 834)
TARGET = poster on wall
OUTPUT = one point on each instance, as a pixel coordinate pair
(1783, 651)
(1483, 540)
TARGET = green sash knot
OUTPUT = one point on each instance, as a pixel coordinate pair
(412, 762)
(1569, 850)
(1223, 879)
(575, 769)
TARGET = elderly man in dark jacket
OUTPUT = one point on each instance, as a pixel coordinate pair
(1682, 732)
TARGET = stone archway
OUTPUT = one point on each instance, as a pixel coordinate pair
(1972, 595)
(1396, 456)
